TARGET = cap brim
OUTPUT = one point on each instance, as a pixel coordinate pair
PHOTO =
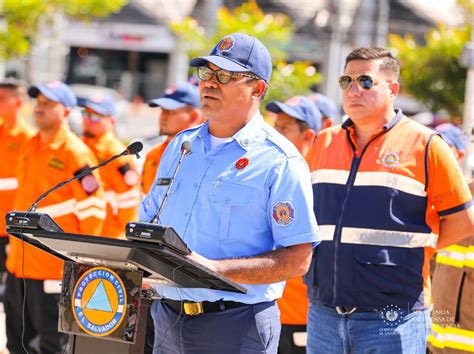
(95, 107)
(34, 91)
(166, 103)
(221, 62)
(278, 107)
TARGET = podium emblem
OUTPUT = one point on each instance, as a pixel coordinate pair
(99, 301)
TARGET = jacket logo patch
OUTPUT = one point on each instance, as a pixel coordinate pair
(390, 159)
(54, 162)
(283, 213)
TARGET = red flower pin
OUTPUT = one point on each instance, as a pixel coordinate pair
(242, 163)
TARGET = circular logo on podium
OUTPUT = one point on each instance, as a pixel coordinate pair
(98, 301)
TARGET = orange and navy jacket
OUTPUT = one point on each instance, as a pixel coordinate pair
(151, 165)
(12, 142)
(120, 180)
(77, 207)
(378, 208)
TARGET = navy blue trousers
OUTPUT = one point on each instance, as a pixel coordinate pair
(247, 329)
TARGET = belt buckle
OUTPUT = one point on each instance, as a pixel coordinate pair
(341, 310)
(193, 308)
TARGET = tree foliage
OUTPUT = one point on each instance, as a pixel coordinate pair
(23, 18)
(273, 30)
(432, 72)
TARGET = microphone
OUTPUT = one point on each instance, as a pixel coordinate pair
(185, 151)
(132, 149)
(135, 148)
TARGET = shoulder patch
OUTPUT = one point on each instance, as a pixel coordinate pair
(88, 182)
(130, 177)
(283, 213)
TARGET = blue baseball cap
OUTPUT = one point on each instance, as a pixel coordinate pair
(55, 91)
(104, 105)
(299, 107)
(325, 105)
(177, 96)
(241, 53)
(452, 135)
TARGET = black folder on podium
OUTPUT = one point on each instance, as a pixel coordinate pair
(158, 261)
(153, 252)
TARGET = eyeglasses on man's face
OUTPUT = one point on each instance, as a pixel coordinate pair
(223, 76)
(93, 117)
(365, 82)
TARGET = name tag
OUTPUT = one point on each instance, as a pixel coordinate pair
(163, 182)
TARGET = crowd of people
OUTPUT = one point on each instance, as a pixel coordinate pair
(348, 216)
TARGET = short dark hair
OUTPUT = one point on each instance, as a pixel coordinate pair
(389, 62)
(14, 85)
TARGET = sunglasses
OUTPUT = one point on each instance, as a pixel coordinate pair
(365, 82)
(93, 117)
(223, 76)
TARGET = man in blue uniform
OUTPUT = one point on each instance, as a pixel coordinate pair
(242, 201)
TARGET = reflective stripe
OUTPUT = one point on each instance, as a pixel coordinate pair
(8, 184)
(329, 176)
(91, 212)
(452, 337)
(327, 232)
(130, 203)
(60, 209)
(454, 256)
(392, 180)
(469, 262)
(388, 238)
(134, 193)
(90, 202)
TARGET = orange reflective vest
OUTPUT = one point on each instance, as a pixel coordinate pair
(78, 207)
(120, 180)
(151, 165)
(12, 142)
(378, 207)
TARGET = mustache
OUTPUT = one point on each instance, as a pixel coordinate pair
(213, 92)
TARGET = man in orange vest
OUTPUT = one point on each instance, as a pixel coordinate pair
(179, 111)
(387, 192)
(52, 156)
(299, 121)
(453, 278)
(120, 177)
(14, 135)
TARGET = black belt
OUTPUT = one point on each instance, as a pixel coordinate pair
(346, 310)
(196, 308)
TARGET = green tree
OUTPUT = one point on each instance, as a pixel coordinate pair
(432, 73)
(274, 30)
(23, 18)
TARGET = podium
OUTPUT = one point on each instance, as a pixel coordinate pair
(103, 304)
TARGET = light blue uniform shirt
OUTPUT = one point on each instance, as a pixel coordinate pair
(224, 211)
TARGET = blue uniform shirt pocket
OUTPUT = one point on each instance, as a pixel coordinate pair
(224, 200)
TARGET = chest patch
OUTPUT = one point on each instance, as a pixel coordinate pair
(390, 159)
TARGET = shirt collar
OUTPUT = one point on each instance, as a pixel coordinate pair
(59, 138)
(247, 135)
(348, 123)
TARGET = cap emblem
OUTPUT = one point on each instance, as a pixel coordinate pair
(226, 44)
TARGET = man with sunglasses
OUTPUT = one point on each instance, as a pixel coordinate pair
(388, 192)
(120, 177)
(53, 155)
(179, 111)
(242, 202)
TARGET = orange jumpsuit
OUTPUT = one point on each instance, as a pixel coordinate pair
(12, 142)
(120, 180)
(78, 207)
(151, 165)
